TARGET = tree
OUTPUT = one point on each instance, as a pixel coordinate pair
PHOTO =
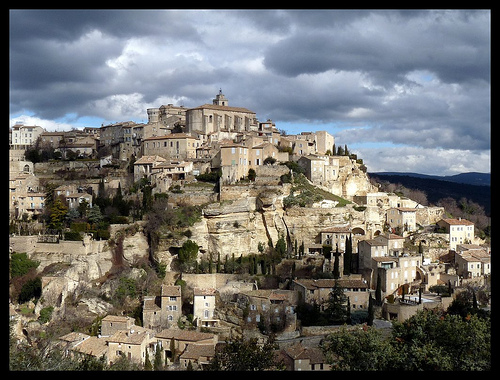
(280, 247)
(337, 308)
(356, 350)
(94, 215)
(147, 363)
(158, 363)
(336, 270)
(57, 214)
(188, 253)
(246, 355)
(348, 256)
(251, 174)
(371, 313)
(327, 251)
(269, 160)
(378, 291)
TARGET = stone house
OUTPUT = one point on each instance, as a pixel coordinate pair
(73, 195)
(335, 236)
(22, 136)
(233, 160)
(318, 291)
(472, 261)
(268, 308)
(184, 341)
(123, 139)
(199, 355)
(167, 115)
(162, 311)
(24, 195)
(260, 152)
(204, 307)
(460, 231)
(385, 256)
(403, 218)
(77, 343)
(143, 167)
(165, 175)
(395, 243)
(298, 357)
(368, 249)
(176, 146)
(131, 343)
(110, 324)
(267, 129)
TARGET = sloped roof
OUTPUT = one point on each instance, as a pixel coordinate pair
(223, 108)
(185, 335)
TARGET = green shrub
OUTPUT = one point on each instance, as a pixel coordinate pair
(31, 289)
(46, 314)
(20, 264)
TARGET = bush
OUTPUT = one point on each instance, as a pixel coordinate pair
(31, 289)
(46, 314)
(20, 264)
(72, 236)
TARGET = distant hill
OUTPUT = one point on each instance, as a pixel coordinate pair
(436, 187)
(470, 178)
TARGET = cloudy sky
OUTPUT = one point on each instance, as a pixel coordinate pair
(405, 90)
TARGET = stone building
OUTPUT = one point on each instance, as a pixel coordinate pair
(176, 146)
(460, 231)
(472, 261)
(403, 218)
(204, 307)
(163, 311)
(318, 291)
(219, 116)
(384, 257)
(22, 136)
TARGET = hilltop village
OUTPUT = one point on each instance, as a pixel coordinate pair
(205, 224)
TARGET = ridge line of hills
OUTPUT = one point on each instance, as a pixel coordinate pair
(438, 187)
(470, 178)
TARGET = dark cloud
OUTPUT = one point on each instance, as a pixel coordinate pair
(417, 78)
(387, 45)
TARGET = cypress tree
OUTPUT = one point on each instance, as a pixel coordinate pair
(147, 363)
(348, 256)
(371, 313)
(378, 291)
(158, 363)
(336, 271)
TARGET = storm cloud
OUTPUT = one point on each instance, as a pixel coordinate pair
(415, 80)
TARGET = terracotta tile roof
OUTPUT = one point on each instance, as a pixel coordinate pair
(93, 346)
(299, 352)
(458, 222)
(185, 335)
(149, 160)
(170, 290)
(204, 291)
(196, 351)
(134, 335)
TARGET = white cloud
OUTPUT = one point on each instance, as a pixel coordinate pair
(48, 125)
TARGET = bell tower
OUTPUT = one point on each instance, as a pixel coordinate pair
(220, 99)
